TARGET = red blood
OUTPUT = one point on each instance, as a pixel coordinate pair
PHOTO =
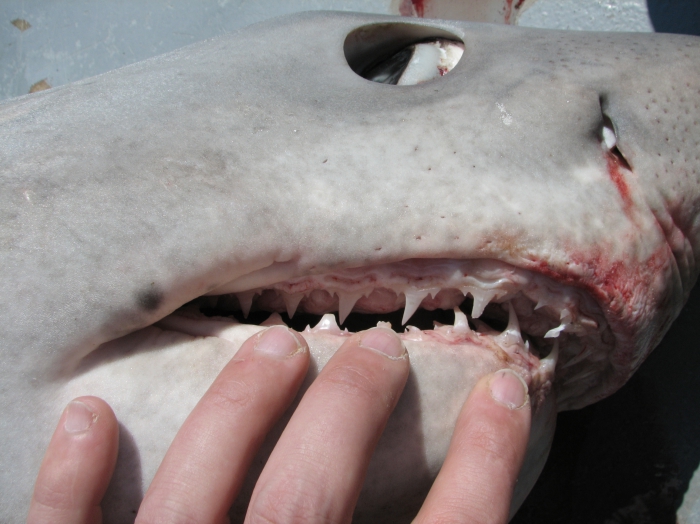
(618, 178)
(419, 6)
(412, 8)
(508, 10)
(613, 282)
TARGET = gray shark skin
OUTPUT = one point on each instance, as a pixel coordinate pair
(262, 157)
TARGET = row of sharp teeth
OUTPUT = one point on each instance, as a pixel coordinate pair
(510, 339)
(413, 299)
(347, 300)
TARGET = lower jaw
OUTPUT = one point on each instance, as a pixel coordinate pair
(446, 363)
(153, 378)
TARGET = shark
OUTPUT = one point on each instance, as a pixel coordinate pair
(532, 203)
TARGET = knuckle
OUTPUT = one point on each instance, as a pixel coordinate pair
(234, 396)
(170, 514)
(354, 380)
(492, 442)
(283, 504)
(50, 498)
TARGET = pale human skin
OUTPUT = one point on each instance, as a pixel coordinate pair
(317, 468)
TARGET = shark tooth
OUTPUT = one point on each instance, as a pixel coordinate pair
(549, 363)
(413, 333)
(511, 335)
(291, 301)
(566, 319)
(346, 301)
(554, 332)
(461, 324)
(413, 299)
(245, 299)
(327, 323)
(481, 297)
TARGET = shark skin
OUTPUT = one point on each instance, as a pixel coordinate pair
(262, 157)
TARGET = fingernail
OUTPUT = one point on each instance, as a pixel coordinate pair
(508, 388)
(384, 341)
(279, 342)
(79, 417)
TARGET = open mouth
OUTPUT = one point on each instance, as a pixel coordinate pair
(529, 320)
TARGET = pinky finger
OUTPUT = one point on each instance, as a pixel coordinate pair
(77, 466)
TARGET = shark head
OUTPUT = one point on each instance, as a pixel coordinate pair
(546, 190)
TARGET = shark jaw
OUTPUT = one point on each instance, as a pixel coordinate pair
(529, 318)
(152, 376)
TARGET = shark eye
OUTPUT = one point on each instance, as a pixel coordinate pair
(417, 63)
(608, 135)
(402, 54)
(608, 138)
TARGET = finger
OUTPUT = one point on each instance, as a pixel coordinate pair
(78, 465)
(317, 468)
(210, 455)
(487, 449)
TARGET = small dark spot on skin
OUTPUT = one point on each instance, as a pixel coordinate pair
(377, 248)
(149, 299)
(418, 238)
(430, 169)
(326, 160)
(442, 216)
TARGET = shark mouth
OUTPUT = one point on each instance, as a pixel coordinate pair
(531, 321)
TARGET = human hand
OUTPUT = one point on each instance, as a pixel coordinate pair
(317, 467)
